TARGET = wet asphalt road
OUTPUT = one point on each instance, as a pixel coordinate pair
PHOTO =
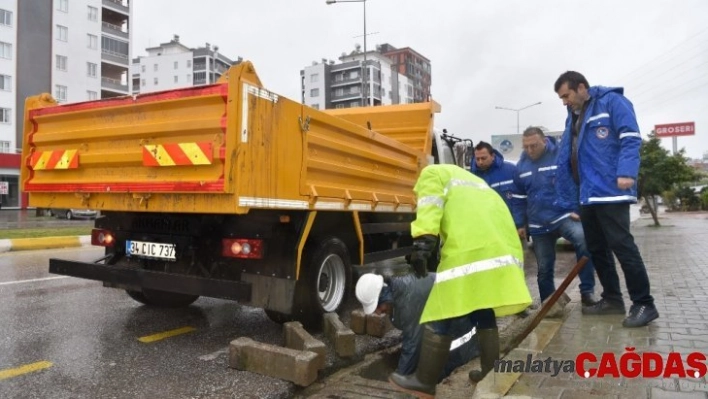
(89, 335)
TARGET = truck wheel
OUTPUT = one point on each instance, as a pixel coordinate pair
(325, 281)
(69, 215)
(162, 299)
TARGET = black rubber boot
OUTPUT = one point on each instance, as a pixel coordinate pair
(434, 353)
(488, 352)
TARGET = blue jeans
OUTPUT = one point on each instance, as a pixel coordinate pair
(544, 246)
(607, 229)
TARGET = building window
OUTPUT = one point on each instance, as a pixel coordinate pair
(6, 50)
(61, 61)
(154, 81)
(314, 78)
(154, 67)
(189, 77)
(5, 115)
(92, 13)
(92, 95)
(5, 83)
(176, 64)
(142, 82)
(339, 106)
(316, 106)
(63, 6)
(62, 33)
(339, 77)
(189, 63)
(5, 17)
(92, 41)
(314, 92)
(91, 69)
(5, 147)
(353, 74)
(142, 68)
(176, 79)
(60, 93)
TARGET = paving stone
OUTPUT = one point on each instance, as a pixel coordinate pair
(657, 393)
(357, 322)
(339, 335)
(377, 325)
(288, 364)
(296, 337)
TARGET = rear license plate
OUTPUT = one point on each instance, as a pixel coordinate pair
(155, 250)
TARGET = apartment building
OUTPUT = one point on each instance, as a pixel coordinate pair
(414, 66)
(172, 65)
(361, 78)
(76, 50)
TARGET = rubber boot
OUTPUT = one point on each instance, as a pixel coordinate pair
(434, 353)
(488, 352)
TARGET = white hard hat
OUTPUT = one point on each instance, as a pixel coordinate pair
(368, 289)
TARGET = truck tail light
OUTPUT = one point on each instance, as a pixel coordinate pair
(102, 238)
(242, 248)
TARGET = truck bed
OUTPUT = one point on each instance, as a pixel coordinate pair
(222, 148)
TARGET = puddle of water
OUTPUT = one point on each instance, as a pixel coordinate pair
(381, 368)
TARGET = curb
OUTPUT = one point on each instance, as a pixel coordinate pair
(25, 244)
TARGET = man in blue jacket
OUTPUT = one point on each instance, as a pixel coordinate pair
(535, 206)
(489, 164)
(600, 153)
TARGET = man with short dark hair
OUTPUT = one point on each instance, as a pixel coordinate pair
(600, 153)
(489, 164)
(535, 209)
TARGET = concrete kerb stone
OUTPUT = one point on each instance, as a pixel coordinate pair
(296, 337)
(275, 361)
(376, 325)
(342, 338)
(25, 244)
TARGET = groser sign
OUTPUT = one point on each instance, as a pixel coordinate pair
(675, 129)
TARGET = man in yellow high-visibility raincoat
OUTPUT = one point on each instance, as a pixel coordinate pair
(480, 275)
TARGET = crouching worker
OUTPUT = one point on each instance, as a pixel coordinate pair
(480, 276)
(403, 298)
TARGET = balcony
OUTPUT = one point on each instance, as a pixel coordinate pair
(345, 97)
(344, 82)
(114, 57)
(114, 30)
(113, 85)
(117, 5)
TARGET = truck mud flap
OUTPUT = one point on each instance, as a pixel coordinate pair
(183, 284)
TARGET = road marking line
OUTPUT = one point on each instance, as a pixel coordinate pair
(214, 355)
(27, 368)
(34, 280)
(167, 334)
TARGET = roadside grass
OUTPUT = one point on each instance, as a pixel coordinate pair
(46, 232)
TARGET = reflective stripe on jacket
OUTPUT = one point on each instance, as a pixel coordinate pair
(481, 264)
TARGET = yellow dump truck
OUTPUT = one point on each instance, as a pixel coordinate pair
(231, 191)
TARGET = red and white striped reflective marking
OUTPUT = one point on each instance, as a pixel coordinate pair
(57, 159)
(178, 154)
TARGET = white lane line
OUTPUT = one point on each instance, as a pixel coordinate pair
(34, 280)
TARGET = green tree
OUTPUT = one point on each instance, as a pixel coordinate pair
(660, 171)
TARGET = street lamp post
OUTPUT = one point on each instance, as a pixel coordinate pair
(518, 111)
(365, 69)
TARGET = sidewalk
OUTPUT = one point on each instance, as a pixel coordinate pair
(27, 219)
(676, 257)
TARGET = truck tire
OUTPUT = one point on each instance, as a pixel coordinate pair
(324, 285)
(162, 299)
(69, 215)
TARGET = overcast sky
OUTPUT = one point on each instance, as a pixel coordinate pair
(484, 53)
